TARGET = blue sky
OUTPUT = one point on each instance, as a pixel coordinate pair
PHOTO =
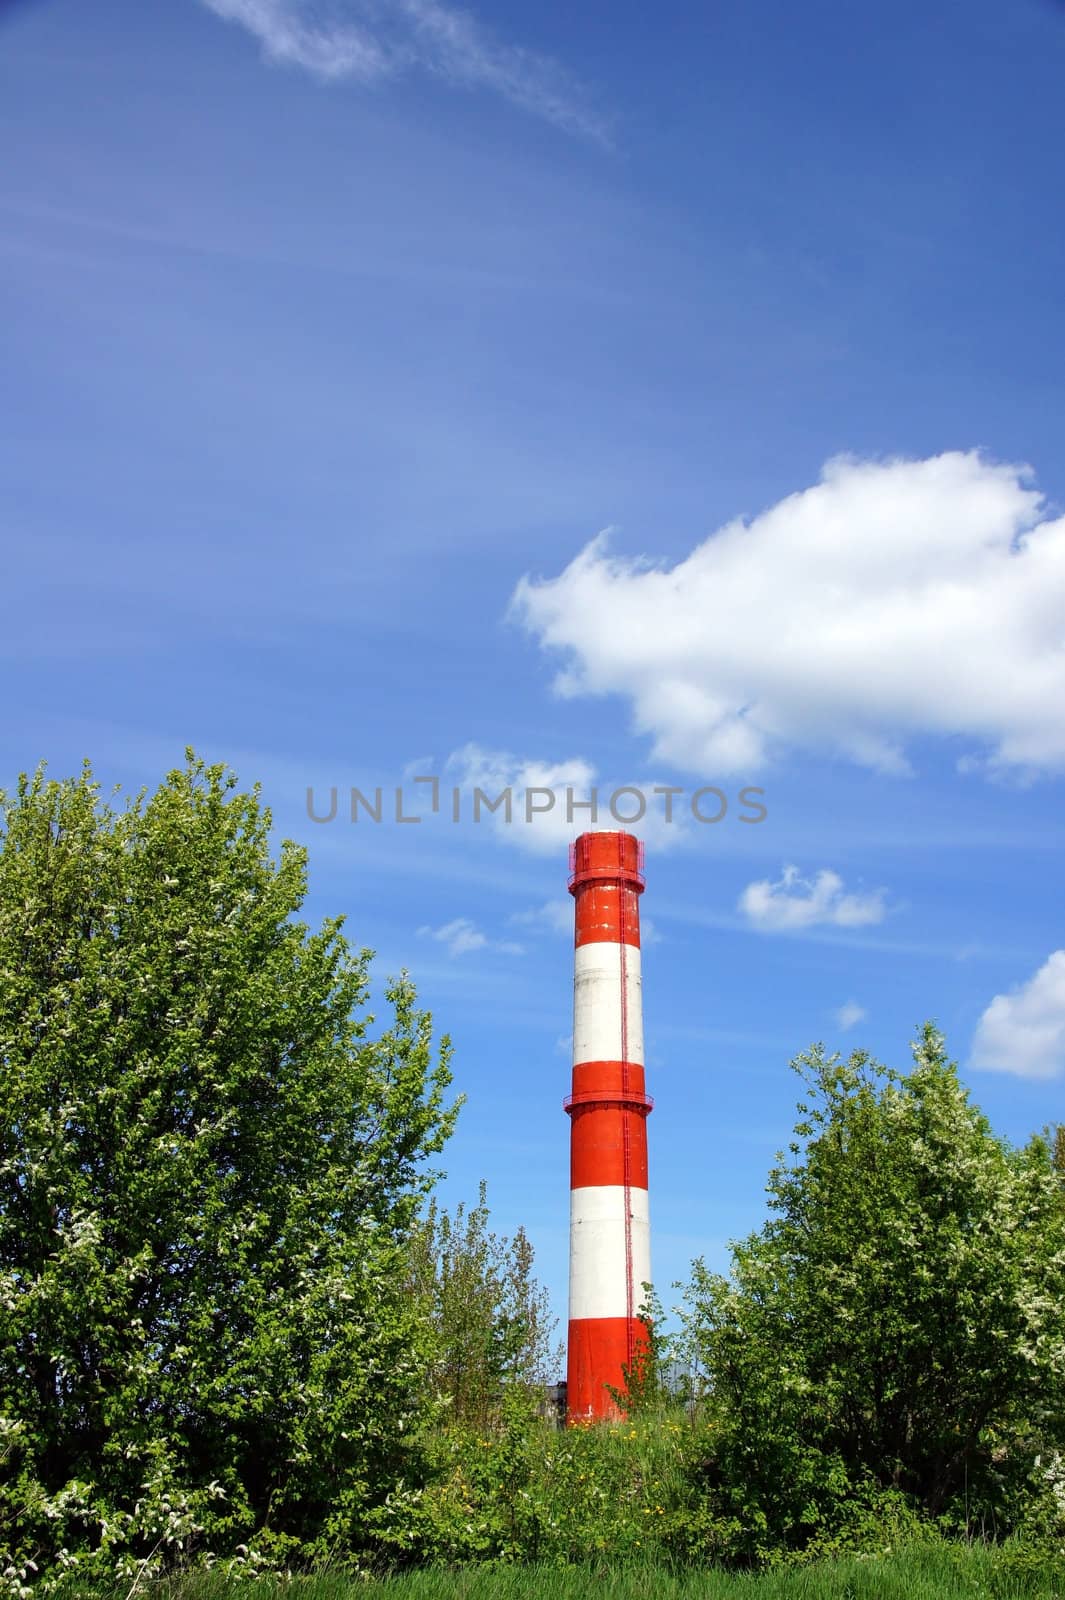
(333, 337)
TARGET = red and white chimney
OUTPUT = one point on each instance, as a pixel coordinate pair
(610, 1255)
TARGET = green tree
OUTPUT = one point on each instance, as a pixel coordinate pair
(896, 1324)
(491, 1319)
(208, 1169)
(646, 1388)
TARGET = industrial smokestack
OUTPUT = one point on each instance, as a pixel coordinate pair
(610, 1255)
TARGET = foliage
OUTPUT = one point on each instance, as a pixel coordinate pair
(644, 1388)
(208, 1168)
(525, 1490)
(893, 1336)
(491, 1320)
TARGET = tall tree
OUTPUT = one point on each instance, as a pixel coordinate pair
(897, 1321)
(208, 1166)
(491, 1319)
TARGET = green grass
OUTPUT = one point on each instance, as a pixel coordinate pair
(939, 1573)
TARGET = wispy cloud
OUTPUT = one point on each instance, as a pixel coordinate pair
(1023, 1032)
(554, 916)
(794, 902)
(370, 41)
(462, 936)
(849, 1014)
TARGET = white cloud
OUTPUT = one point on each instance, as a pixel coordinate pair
(795, 902)
(461, 936)
(549, 801)
(1023, 1032)
(373, 40)
(556, 916)
(537, 818)
(893, 599)
(849, 1014)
